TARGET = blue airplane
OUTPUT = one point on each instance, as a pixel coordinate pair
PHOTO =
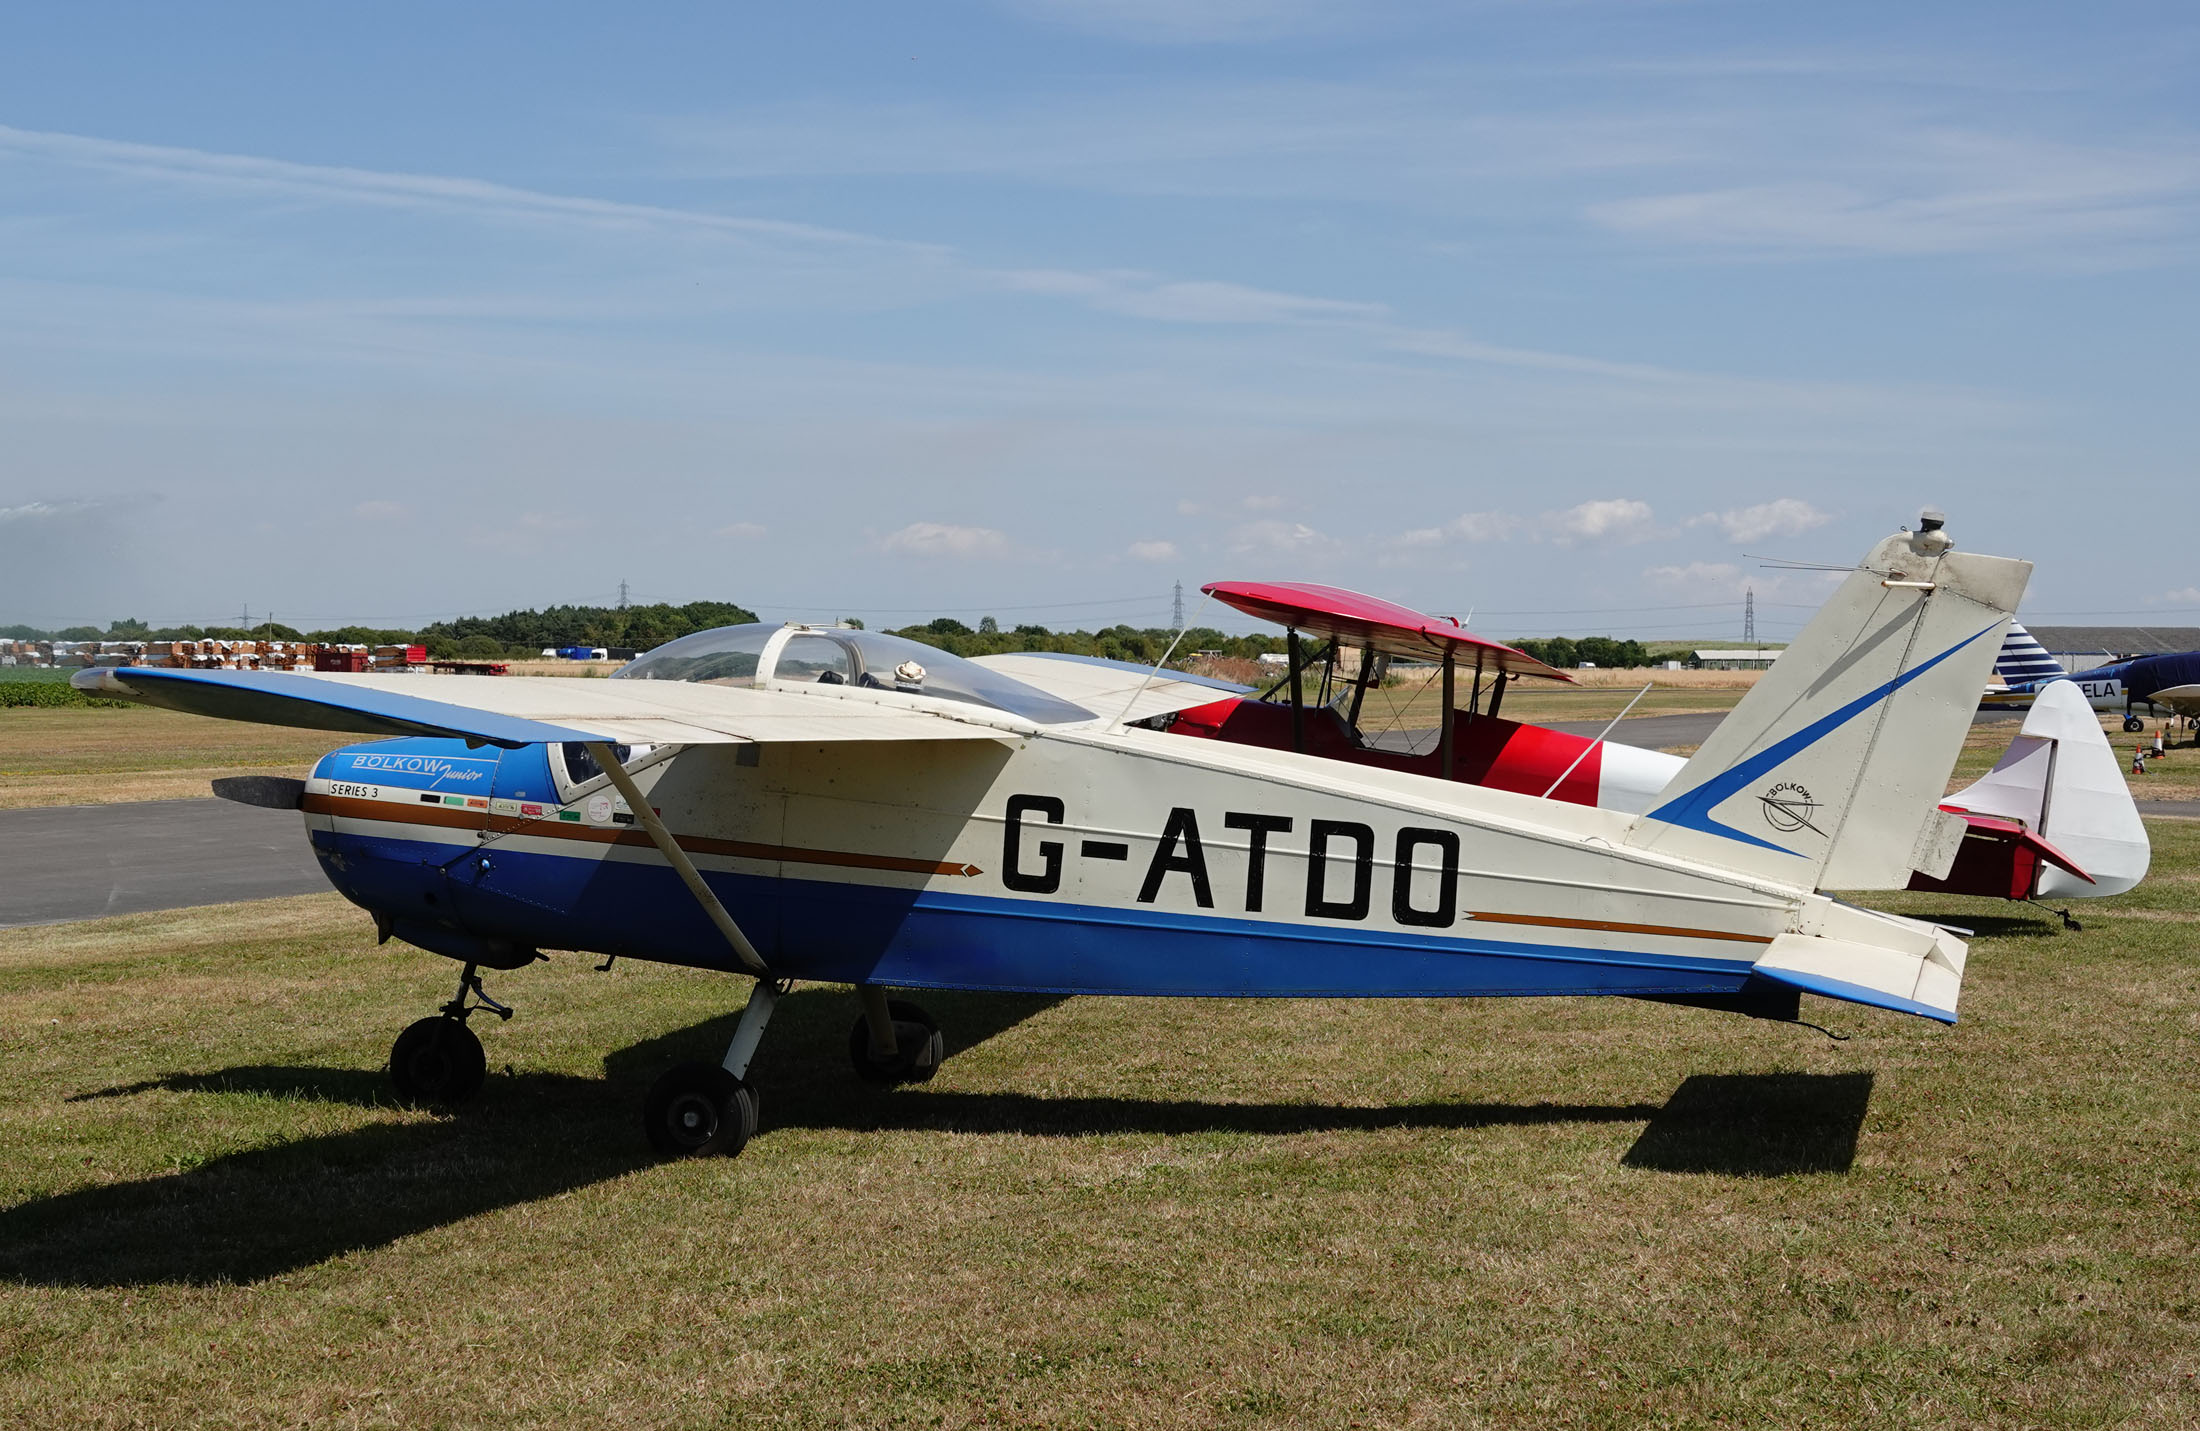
(2163, 683)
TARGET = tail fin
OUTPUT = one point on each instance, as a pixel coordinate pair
(1830, 771)
(2023, 659)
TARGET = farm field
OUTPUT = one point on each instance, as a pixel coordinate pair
(1575, 1213)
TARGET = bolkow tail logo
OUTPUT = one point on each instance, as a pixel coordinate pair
(1789, 807)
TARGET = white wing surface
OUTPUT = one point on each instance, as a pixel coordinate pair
(526, 710)
(1106, 687)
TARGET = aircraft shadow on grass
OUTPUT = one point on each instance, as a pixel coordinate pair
(291, 1205)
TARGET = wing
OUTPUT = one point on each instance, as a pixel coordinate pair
(2185, 700)
(1107, 687)
(1357, 619)
(512, 711)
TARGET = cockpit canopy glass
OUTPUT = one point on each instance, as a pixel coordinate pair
(834, 656)
(724, 656)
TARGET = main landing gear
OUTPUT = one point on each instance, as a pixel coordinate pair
(2133, 723)
(895, 1041)
(439, 1060)
(705, 1109)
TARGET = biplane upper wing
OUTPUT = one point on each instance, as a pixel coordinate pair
(1115, 690)
(1357, 619)
(512, 711)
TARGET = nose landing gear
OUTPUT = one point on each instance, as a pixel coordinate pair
(439, 1060)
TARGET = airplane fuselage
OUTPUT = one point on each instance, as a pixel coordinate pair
(2123, 685)
(1131, 862)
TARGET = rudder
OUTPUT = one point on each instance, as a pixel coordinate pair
(1829, 772)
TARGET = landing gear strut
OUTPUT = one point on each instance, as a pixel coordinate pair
(894, 1041)
(699, 1110)
(439, 1060)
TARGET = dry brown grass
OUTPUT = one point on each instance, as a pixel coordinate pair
(69, 755)
(1564, 1213)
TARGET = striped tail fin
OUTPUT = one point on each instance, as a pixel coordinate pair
(2024, 660)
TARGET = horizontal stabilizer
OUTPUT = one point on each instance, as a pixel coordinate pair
(1926, 983)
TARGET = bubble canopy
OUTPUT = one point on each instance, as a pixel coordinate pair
(829, 655)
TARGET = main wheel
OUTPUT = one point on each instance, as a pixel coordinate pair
(2133, 723)
(437, 1060)
(699, 1110)
(918, 1047)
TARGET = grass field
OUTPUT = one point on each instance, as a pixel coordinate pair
(76, 756)
(64, 755)
(1571, 1213)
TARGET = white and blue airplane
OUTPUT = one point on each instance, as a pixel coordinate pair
(2163, 683)
(808, 803)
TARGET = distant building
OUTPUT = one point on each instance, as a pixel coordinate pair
(1735, 660)
(2078, 647)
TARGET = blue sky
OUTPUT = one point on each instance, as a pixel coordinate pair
(1562, 313)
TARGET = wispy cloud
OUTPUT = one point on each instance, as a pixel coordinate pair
(1697, 578)
(1273, 538)
(1152, 551)
(1783, 517)
(1191, 22)
(943, 539)
(740, 531)
(1204, 301)
(1614, 519)
(339, 183)
(1467, 527)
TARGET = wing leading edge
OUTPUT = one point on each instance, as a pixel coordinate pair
(512, 711)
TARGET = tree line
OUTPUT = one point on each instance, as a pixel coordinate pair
(523, 633)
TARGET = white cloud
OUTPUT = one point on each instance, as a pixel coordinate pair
(1153, 551)
(740, 531)
(1466, 527)
(34, 511)
(1620, 519)
(933, 539)
(1277, 538)
(1784, 517)
(1260, 503)
(2182, 596)
(1698, 578)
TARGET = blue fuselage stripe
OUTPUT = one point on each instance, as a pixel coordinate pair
(919, 938)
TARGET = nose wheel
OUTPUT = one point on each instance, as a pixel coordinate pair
(439, 1060)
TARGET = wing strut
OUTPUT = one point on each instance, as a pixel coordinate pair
(667, 846)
